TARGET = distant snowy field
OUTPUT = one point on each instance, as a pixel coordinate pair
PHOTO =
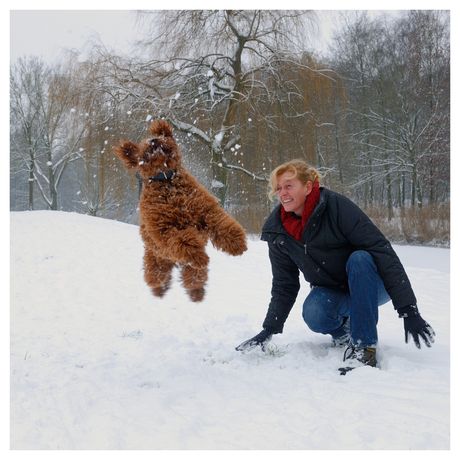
(98, 363)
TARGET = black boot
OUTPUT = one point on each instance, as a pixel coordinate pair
(344, 339)
(357, 357)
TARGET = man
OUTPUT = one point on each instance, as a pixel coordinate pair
(351, 267)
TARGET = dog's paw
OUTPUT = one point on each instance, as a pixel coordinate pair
(189, 248)
(160, 291)
(197, 258)
(197, 295)
(237, 247)
(233, 241)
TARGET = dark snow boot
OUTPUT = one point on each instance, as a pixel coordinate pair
(358, 357)
(344, 339)
(341, 341)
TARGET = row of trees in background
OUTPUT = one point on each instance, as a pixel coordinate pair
(243, 95)
(398, 79)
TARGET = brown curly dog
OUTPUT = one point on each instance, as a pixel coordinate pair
(177, 215)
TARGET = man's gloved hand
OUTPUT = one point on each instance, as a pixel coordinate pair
(415, 326)
(262, 338)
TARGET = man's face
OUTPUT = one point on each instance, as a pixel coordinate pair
(292, 193)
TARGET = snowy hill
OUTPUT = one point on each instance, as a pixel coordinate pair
(98, 363)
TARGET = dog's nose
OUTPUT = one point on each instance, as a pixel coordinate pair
(154, 142)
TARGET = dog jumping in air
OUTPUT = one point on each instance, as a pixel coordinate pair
(177, 215)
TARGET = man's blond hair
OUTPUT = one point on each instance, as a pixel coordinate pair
(300, 170)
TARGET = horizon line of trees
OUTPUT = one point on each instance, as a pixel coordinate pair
(243, 95)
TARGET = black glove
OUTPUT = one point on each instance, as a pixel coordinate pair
(262, 338)
(416, 326)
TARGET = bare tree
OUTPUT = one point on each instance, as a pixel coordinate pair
(46, 125)
(397, 73)
(202, 67)
(64, 128)
(27, 92)
(425, 46)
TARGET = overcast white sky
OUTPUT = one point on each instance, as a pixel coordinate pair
(44, 32)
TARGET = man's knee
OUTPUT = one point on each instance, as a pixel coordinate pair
(312, 317)
(360, 259)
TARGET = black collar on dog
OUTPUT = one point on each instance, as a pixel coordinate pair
(162, 176)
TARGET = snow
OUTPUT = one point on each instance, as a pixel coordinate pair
(86, 54)
(217, 184)
(98, 363)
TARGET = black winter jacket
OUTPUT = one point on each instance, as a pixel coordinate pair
(336, 228)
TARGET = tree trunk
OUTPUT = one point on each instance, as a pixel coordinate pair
(219, 177)
(31, 185)
(52, 183)
(389, 199)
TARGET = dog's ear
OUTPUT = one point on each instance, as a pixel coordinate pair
(161, 128)
(128, 153)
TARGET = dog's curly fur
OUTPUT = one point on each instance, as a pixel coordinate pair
(177, 215)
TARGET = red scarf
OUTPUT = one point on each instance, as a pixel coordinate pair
(293, 224)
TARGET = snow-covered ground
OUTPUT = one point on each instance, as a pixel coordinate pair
(98, 363)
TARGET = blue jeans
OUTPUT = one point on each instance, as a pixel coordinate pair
(327, 310)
